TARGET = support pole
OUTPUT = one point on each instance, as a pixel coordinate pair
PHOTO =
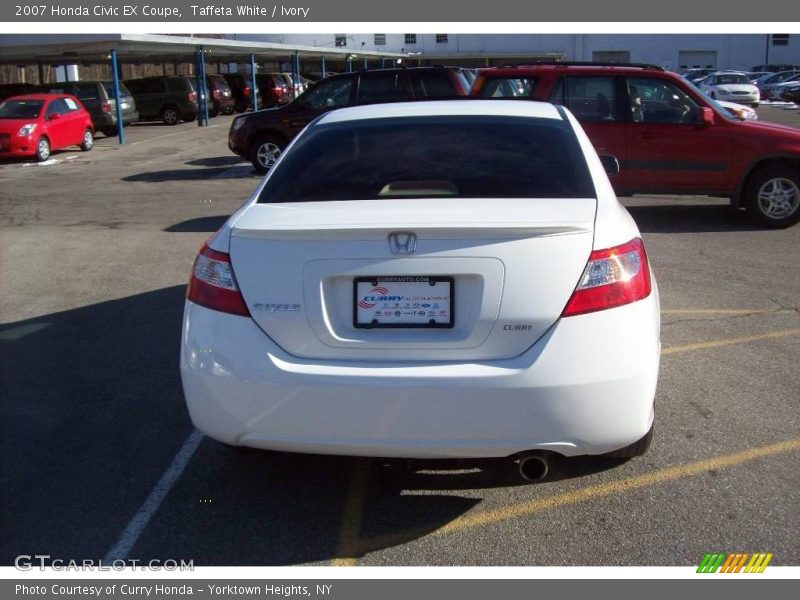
(117, 101)
(321, 66)
(296, 73)
(41, 73)
(198, 88)
(203, 83)
(253, 88)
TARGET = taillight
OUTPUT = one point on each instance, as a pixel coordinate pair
(246, 91)
(612, 277)
(213, 284)
(106, 107)
(192, 96)
(216, 93)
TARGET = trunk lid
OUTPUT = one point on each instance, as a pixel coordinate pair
(514, 264)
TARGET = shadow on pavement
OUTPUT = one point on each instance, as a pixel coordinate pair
(198, 225)
(682, 218)
(93, 414)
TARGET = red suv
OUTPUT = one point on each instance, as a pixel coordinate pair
(668, 137)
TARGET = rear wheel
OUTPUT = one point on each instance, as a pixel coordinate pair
(170, 115)
(265, 152)
(42, 149)
(88, 140)
(772, 196)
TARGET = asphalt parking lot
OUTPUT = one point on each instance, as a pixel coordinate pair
(99, 458)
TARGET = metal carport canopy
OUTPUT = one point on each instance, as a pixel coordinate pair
(66, 49)
(60, 49)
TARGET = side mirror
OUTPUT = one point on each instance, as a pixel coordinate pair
(610, 164)
(706, 116)
(54, 117)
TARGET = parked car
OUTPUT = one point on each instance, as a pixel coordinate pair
(773, 91)
(7, 90)
(733, 87)
(262, 136)
(97, 97)
(669, 138)
(171, 99)
(764, 84)
(792, 93)
(776, 67)
(404, 288)
(36, 124)
(241, 89)
(273, 89)
(695, 75)
(222, 101)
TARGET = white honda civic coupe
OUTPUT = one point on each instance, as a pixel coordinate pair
(428, 280)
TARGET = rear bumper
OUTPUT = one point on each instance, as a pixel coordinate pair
(586, 387)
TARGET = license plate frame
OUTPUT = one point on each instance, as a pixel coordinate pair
(396, 282)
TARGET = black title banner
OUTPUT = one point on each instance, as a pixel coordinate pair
(426, 11)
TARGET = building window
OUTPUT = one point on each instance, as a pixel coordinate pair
(441, 38)
(780, 39)
(411, 38)
(380, 39)
(341, 40)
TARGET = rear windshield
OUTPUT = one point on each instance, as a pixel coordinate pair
(460, 156)
(729, 79)
(123, 90)
(21, 109)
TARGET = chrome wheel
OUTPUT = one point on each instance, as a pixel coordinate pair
(778, 198)
(43, 150)
(88, 140)
(267, 154)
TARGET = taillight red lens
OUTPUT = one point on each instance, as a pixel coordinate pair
(612, 277)
(246, 91)
(106, 107)
(216, 93)
(192, 96)
(213, 284)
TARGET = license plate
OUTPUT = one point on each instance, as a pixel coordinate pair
(407, 301)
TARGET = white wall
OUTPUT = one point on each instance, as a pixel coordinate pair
(734, 51)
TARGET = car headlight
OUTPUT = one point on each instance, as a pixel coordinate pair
(723, 90)
(27, 129)
(237, 124)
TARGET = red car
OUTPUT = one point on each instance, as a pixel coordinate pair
(668, 137)
(37, 124)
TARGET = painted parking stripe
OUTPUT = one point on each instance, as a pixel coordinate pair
(730, 341)
(140, 520)
(524, 509)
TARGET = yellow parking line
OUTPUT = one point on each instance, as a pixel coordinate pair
(593, 492)
(348, 542)
(723, 311)
(730, 341)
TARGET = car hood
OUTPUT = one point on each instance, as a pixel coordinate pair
(772, 129)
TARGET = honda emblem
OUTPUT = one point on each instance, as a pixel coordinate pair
(402, 242)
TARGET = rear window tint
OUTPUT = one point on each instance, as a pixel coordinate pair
(123, 90)
(434, 84)
(459, 156)
(178, 85)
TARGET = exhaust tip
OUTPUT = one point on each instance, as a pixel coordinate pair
(533, 467)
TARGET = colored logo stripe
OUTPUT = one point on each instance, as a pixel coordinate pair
(733, 563)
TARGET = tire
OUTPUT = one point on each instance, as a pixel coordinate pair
(42, 149)
(635, 449)
(772, 196)
(88, 140)
(170, 115)
(265, 151)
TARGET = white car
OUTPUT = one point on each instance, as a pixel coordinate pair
(733, 87)
(428, 280)
(740, 111)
